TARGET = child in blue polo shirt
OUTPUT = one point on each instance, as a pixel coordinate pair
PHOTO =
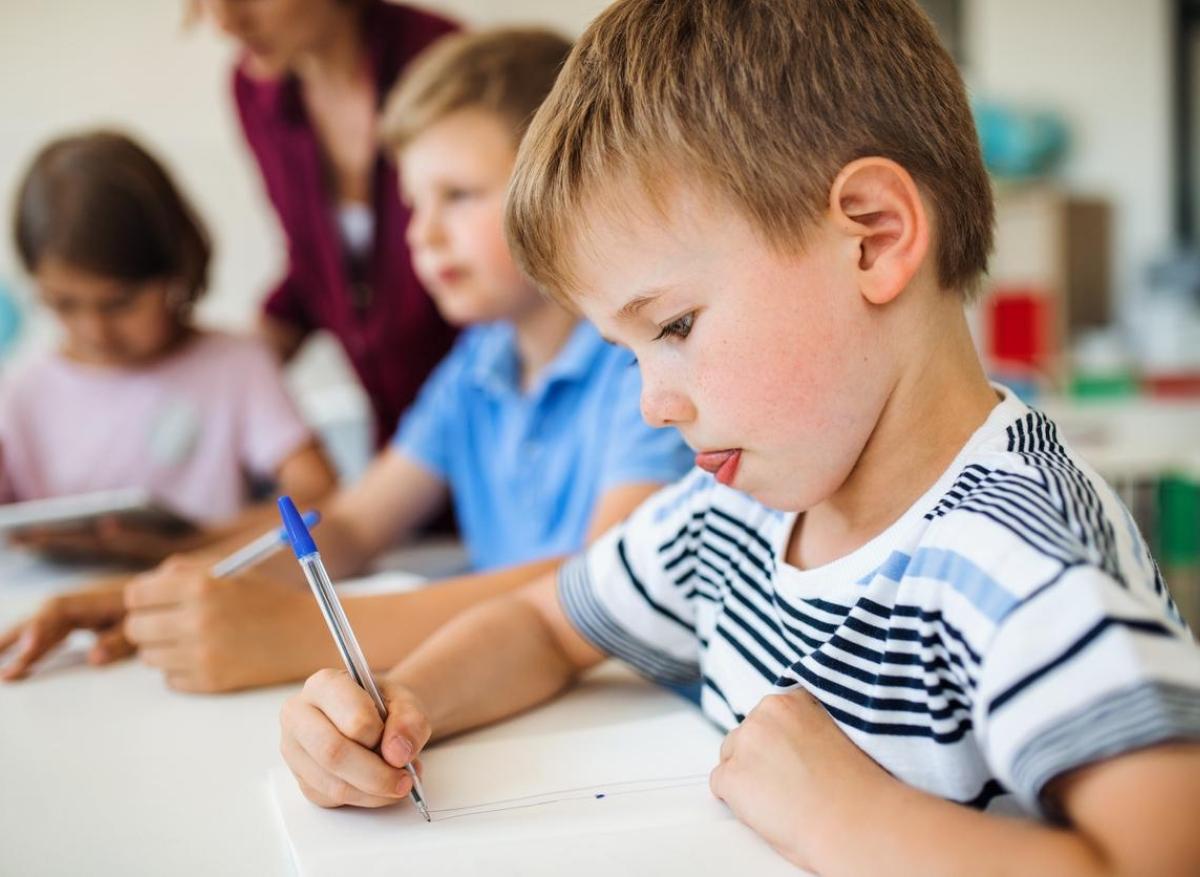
(530, 428)
(528, 458)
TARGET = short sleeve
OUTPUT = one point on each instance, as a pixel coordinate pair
(635, 451)
(271, 428)
(1085, 668)
(622, 595)
(424, 433)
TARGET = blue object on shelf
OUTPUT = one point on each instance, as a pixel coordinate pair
(12, 320)
(1020, 143)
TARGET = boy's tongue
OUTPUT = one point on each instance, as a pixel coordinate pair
(722, 464)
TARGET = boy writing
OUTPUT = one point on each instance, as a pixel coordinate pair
(911, 607)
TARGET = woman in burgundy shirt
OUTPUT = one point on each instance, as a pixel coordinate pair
(308, 88)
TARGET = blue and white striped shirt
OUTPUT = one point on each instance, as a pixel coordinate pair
(1011, 626)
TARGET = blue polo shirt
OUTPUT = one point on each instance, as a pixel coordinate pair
(526, 469)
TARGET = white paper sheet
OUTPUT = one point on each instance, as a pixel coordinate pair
(623, 797)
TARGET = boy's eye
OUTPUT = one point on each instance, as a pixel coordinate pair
(453, 195)
(680, 327)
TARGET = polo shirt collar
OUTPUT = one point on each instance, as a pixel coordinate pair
(496, 366)
(575, 359)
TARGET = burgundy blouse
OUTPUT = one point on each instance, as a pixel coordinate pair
(375, 306)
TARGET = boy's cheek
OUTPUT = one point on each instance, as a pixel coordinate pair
(423, 267)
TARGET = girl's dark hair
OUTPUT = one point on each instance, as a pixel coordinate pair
(102, 203)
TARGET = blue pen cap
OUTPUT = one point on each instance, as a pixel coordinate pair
(311, 519)
(298, 535)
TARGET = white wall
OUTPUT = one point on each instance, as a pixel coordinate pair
(569, 16)
(1104, 64)
(76, 63)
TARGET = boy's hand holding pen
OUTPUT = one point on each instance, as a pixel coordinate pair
(341, 751)
(398, 729)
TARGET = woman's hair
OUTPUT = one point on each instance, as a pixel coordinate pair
(101, 203)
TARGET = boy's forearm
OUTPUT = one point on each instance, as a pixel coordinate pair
(390, 626)
(489, 663)
(342, 551)
(906, 831)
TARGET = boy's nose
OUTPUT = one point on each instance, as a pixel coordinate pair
(665, 407)
(423, 230)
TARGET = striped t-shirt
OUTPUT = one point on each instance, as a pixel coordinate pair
(1011, 626)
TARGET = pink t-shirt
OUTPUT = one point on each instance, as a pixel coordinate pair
(189, 429)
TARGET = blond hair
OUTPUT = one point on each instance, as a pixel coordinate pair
(505, 71)
(761, 103)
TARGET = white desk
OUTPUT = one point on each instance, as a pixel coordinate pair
(106, 771)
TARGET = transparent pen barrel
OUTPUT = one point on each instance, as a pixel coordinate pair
(352, 655)
(339, 626)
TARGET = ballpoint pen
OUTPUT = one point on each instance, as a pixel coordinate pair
(259, 549)
(343, 636)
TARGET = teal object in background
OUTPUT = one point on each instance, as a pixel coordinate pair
(12, 320)
(1017, 143)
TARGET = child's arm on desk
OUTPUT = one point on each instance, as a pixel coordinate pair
(188, 622)
(790, 773)
(215, 635)
(488, 663)
(98, 608)
(263, 627)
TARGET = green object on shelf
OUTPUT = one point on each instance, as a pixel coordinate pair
(1179, 521)
(1120, 385)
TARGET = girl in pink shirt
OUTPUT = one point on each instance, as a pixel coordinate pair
(135, 395)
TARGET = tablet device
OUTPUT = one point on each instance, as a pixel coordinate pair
(134, 507)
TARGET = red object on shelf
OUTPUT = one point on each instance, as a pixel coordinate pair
(1172, 385)
(1020, 327)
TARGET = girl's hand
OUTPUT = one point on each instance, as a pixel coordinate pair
(790, 774)
(339, 749)
(101, 609)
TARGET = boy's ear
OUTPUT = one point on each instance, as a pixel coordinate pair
(875, 202)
